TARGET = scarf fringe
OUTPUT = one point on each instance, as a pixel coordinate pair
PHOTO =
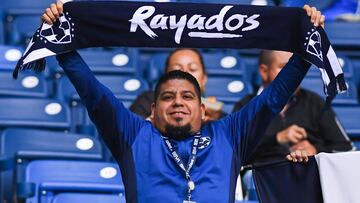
(37, 66)
(340, 83)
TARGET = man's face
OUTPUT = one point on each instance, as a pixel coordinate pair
(188, 61)
(279, 60)
(178, 106)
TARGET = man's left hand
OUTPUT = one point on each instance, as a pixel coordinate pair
(315, 16)
(298, 156)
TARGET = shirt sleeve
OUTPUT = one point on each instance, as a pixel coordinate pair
(116, 124)
(246, 127)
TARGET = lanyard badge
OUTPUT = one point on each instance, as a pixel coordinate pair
(180, 163)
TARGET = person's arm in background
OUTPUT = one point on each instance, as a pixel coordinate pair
(249, 124)
(332, 133)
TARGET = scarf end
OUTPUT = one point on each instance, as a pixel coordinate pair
(37, 66)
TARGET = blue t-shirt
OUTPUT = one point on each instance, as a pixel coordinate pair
(148, 170)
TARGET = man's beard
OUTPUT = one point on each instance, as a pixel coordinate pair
(178, 132)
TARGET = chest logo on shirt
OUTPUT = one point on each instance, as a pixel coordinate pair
(204, 142)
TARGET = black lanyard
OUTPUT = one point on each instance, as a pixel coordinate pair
(180, 163)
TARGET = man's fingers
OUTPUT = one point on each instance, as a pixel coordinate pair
(49, 13)
(301, 131)
(307, 9)
(59, 6)
(318, 17)
(54, 10)
(322, 21)
(299, 155)
(46, 18)
(305, 156)
(288, 157)
(313, 14)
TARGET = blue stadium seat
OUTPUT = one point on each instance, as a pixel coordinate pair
(22, 145)
(110, 61)
(55, 176)
(34, 113)
(316, 85)
(5, 5)
(125, 88)
(88, 198)
(349, 118)
(223, 64)
(156, 67)
(228, 89)
(9, 55)
(28, 84)
(21, 25)
(349, 35)
(346, 65)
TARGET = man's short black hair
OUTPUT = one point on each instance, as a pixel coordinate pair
(180, 75)
(197, 52)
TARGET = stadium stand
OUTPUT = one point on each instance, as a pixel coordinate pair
(349, 117)
(9, 55)
(227, 89)
(44, 178)
(110, 61)
(35, 113)
(88, 198)
(32, 97)
(19, 146)
(349, 36)
(28, 84)
(315, 84)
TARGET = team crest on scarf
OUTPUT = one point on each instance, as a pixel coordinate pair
(58, 33)
(313, 44)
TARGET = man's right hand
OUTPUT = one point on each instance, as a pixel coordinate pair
(52, 13)
(292, 134)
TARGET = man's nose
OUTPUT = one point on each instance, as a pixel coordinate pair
(178, 101)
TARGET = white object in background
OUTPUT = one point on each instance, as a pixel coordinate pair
(339, 176)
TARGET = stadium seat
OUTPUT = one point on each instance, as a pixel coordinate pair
(48, 177)
(110, 61)
(316, 85)
(34, 113)
(349, 118)
(223, 64)
(345, 63)
(349, 35)
(228, 89)
(19, 146)
(9, 55)
(28, 84)
(88, 198)
(5, 5)
(124, 87)
(21, 25)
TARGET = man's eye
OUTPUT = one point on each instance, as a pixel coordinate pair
(188, 97)
(167, 97)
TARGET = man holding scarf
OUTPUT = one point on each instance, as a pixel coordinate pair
(176, 158)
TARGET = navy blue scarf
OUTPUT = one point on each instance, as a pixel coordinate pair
(139, 24)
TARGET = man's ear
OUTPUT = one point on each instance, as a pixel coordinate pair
(152, 111)
(203, 110)
(264, 72)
